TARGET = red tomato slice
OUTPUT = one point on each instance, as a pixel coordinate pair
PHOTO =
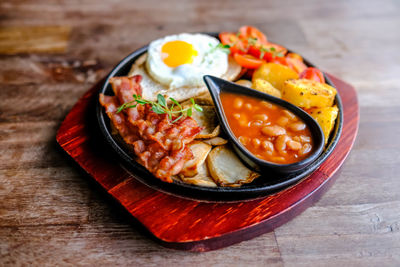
(280, 60)
(312, 74)
(294, 56)
(246, 32)
(228, 38)
(262, 51)
(248, 61)
(278, 48)
(295, 62)
(255, 51)
(237, 45)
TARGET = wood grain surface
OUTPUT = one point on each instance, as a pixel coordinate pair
(50, 214)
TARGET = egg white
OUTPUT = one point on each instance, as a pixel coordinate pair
(209, 61)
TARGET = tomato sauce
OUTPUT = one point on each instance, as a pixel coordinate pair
(268, 131)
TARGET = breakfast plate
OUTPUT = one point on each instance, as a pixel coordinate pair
(267, 183)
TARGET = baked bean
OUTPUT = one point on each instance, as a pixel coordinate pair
(278, 159)
(243, 122)
(237, 103)
(267, 130)
(305, 149)
(267, 145)
(256, 142)
(293, 145)
(297, 126)
(305, 139)
(267, 104)
(280, 142)
(257, 123)
(261, 117)
(274, 130)
(268, 153)
(296, 138)
(289, 114)
(243, 139)
(282, 121)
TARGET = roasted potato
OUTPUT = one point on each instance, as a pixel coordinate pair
(308, 94)
(266, 87)
(326, 118)
(275, 74)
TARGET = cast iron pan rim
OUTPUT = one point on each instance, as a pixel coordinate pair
(213, 194)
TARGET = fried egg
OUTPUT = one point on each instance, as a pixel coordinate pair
(182, 60)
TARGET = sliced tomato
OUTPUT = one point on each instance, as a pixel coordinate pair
(278, 48)
(248, 61)
(280, 60)
(236, 45)
(239, 48)
(262, 51)
(246, 32)
(294, 56)
(295, 62)
(312, 74)
(228, 38)
(255, 51)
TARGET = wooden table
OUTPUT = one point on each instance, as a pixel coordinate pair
(51, 53)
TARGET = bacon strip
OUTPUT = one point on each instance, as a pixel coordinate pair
(124, 88)
(159, 145)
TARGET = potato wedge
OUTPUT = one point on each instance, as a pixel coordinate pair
(200, 152)
(216, 141)
(275, 74)
(326, 118)
(308, 94)
(226, 169)
(265, 87)
(202, 178)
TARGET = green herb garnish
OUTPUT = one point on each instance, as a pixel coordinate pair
(271, 50)
(224, 48)
(161, 107)
(252, 41)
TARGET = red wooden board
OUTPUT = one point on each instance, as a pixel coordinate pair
(198, 226)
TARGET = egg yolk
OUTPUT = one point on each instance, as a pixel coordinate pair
(176, 53)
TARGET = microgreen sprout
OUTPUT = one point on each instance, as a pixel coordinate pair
(161, 107)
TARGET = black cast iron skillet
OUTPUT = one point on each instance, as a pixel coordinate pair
(266, 184)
